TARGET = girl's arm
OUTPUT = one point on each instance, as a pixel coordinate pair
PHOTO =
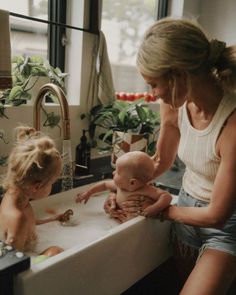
(98, 187)
(168, 139)
(16, 234)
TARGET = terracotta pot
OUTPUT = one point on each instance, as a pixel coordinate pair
(126, 142)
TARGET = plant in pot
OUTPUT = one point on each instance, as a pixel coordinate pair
(123, 126)
(26, 73)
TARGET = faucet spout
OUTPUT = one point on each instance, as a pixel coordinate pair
(58, 92)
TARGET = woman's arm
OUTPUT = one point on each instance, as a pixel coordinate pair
(168, 140)
(223, 199)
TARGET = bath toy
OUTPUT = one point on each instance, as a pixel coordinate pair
(66, 215)
(50, 211)
(40, 259)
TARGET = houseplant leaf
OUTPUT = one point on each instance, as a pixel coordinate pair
(15, 92)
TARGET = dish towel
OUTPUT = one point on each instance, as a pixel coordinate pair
(101, 82)
(5, 51)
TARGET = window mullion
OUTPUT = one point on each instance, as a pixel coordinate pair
(56, 48)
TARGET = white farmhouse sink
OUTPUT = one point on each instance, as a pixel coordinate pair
(101, 256)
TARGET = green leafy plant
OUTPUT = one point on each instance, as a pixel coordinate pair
(24, 68)
(134, 117)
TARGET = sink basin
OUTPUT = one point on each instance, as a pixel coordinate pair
(101, 256)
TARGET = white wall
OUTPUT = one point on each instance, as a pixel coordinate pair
(217, 17)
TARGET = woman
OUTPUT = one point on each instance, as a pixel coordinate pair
(195, 79)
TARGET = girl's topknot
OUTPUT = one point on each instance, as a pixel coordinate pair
(33, 159)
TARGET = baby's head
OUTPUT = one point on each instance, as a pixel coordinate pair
(33, 160)
(136, 166)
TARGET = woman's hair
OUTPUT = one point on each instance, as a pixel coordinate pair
(175, 44)
(34, 159)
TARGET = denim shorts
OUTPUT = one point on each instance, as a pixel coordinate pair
(201, 238)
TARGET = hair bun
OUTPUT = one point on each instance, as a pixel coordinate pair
(215, 51)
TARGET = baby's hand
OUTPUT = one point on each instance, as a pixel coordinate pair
(160, 205)
(82, 197)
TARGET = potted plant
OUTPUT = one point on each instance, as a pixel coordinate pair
(123, 126)
(26, 73)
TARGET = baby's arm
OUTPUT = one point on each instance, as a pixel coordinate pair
(98, 187)
(162, 201)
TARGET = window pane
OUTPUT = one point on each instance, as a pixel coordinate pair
(28, 37)
(124, 23)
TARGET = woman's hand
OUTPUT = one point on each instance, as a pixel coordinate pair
(110, 203)
(112, 210)
(136, 205)
(156, 160)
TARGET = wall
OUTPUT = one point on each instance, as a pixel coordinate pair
(217, 17)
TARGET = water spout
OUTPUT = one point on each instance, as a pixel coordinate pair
(67, 173)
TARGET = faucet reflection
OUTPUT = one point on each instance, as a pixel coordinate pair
(67, 172)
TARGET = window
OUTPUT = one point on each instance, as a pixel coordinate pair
(124, 23)
(28, 37)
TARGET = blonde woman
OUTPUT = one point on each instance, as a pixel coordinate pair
(195, 79)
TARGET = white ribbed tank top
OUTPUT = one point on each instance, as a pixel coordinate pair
(197, 149)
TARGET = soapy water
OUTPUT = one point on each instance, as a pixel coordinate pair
(88, 223)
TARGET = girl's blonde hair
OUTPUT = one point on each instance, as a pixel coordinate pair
(34, 159)
(177, 44)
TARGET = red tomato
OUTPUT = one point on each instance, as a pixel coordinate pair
(138, 95)
(118, 95)
(123, 96)
(131, 96)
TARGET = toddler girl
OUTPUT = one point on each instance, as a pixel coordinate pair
(33, 166)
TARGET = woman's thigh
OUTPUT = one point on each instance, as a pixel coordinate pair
(213, 274)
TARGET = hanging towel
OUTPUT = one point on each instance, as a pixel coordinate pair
(101, 82)
(5, 51)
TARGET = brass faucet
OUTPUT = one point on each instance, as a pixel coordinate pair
(57, 91)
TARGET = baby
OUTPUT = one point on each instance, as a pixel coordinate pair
(33, 166)
(134, 171)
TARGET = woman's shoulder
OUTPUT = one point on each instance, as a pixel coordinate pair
(227, 136)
